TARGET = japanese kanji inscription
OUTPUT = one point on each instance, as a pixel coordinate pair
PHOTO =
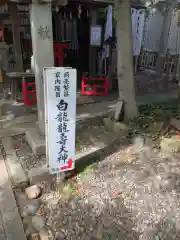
(61, 117)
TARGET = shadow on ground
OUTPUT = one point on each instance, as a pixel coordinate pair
(128, 191)
(79, 220)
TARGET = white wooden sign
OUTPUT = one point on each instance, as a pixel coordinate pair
(60, 114)
(96, 32)
(138, 20)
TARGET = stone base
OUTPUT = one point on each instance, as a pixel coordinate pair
(39, 174)
(36, 141)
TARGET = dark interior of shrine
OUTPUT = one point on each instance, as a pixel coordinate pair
(71, 26)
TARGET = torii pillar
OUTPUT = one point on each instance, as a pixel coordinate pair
(43, 56)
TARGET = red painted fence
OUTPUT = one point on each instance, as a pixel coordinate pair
(91, 89)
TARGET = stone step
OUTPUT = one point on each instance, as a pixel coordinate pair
(37, 143)
(16, 173)
(9, 121)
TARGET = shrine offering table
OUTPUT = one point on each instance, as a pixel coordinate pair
(18, 77)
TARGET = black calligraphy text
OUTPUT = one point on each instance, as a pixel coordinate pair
(44, 32)
(62, 116)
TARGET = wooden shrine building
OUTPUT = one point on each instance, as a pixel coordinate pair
(37, 26)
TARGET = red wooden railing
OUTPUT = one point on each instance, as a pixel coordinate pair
(87, 88)
(29, 96)
(92, 89)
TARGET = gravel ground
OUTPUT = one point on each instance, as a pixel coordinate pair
(27, 159)
(131, 194)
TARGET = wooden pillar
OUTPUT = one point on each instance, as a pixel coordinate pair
(177, 70)
(43, 55)
(15, 20)
(125, 71)
(92, 50)
(176, 75)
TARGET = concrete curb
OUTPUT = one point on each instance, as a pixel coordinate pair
(16, 173)
(84, 122)
(36, 175)
(37, 142)
(20, 179)
(84, 160)
(11, 221)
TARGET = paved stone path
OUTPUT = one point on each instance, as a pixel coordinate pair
(11, 227)
(2, 231)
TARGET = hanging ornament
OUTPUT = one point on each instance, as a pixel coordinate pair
(64, 16)
(57, 9)
(79, 11)
(87, 13)
(6, 7)
(70, 15)
(3, 9)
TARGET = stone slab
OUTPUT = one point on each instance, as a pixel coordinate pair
(118, 111)
(39, 174)
(17, 109)
(10, 132)
(2, 103)
(8, 147)
(11, 220)
(15, 170)
(2, 233)
(36, 141)
(18, 129)
(43, 234)
(5, 123)
(90, 151)
(175, 123)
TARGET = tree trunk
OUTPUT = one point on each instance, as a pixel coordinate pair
(125, 73)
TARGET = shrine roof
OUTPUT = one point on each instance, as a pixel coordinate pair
(59, 2)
